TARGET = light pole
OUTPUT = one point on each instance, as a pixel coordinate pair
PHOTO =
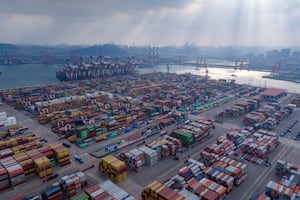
(44, 171)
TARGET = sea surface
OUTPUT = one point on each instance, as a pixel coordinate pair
(27, 75)
(38, 74)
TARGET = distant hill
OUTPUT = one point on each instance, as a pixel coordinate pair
(8, 47)
(105, 50)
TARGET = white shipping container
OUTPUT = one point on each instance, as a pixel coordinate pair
(150, 155)
(3, 114)
(114, 190)
(10, 121)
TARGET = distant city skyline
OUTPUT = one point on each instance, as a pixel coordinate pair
(157, 23)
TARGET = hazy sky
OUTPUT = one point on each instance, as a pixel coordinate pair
(154, 22)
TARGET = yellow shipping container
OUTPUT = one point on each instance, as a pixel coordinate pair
(42, 172)
(113, 162)
(120, 177)
(63, 159)
(117, 165)
(55, 145)
(108, 159)
(26, 162)
(41, 162)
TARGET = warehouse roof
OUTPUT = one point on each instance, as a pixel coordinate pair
(272, 92)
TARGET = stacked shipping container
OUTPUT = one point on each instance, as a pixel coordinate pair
(73, 184)
(95, 192)
(115, 191)
(207, 189)
(157, 191)
(150, 153)
(260, 144)
(4, 179)
(194, 131)
(296, 101)
(61, 153)
(26, 162)
(14, 170)
(53, 193)
(113, 168)
(233, 168)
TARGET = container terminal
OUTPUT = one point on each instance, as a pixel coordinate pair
(149, 136)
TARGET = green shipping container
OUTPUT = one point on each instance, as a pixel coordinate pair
(99, 133)
(185, 138)
(91, 128)
(81, 196)
(79, 141)
(84, 145)
(53, 161)
(83, 134)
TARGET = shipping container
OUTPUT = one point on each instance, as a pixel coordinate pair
(114, 168)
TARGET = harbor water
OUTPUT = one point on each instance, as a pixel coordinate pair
(39, 74)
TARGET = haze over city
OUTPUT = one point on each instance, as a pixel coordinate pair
(169, 22)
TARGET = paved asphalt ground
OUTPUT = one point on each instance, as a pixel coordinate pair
(258, 175)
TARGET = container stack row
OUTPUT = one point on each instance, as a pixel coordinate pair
(43, 167)
(4, 179)
(254, 146)
(283, 113)
(17, 140)
(62, 154)
(13, 131)
(14, 171)
(239, 108)
(233, 168)
(220, 148)
(53, 193)
(73, 184)
(26, 162)
(95, 192)
(285, 190)
(150, 153)
(204, 182)
(20, 148)
(236, 136)
(213, 152)
(194, 131)
(137, 158)
(261, 114)
(284, 168)
(35, 161)
(6, 121)
(157, 191)
(296, 101)
(106, 191)
(191, 171)
(113, 168)
(221, 178)
(207, 189)
(260, 144)
(115, 191)
(75, 187)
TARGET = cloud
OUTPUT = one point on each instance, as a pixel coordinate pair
(156, 22)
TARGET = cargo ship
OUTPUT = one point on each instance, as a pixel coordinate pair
(95, 69)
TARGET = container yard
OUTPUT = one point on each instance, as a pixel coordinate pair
(140, 137)
(288, 185)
